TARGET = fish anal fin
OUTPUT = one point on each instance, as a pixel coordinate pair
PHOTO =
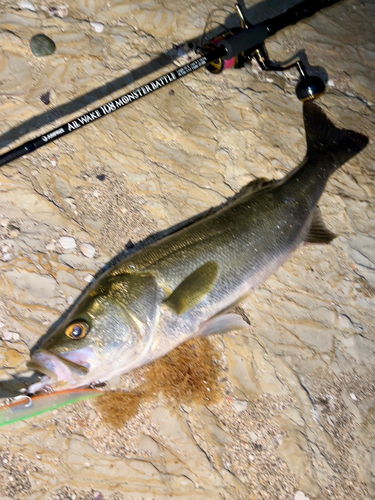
(194, 288)
(223, 323)
(318, 232)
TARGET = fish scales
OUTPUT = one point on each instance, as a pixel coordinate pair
(260, 231)
(182, 286)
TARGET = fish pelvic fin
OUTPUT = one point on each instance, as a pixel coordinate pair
(223, 323)
(325, 140)
(318, 232)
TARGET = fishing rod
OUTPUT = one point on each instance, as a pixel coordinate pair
(233, 48)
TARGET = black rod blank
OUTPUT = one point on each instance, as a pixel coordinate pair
(246, 40)
(110, 106)
(297, 13)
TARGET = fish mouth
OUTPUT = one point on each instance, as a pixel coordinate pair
(62, 370)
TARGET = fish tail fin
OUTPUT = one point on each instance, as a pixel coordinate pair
(325, 140)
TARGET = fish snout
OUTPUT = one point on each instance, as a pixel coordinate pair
(60, 370)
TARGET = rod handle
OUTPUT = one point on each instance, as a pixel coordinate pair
(244, 40)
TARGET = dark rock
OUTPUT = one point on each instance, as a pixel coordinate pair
(42, 45)
(45, 98)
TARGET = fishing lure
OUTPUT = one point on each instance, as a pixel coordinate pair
(23, 406)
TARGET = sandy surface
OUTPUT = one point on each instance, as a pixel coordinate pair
(296, 414)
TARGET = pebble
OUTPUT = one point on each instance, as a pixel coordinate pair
(253, 437)
(240, 405)
(46, 98)
(60, 11)
(50, 247)
(353, 396)
(14, 230)
(331, 83)
(67, 242)
(89, 278)
(98, 27)
(11, 336)
(87, 250)
(42, 45)
(26, 6)
(299, 495)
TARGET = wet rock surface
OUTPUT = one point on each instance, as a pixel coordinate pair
(296, 418)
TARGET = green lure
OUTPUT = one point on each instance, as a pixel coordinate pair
(28, 407)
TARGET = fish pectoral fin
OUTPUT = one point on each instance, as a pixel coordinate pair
(318, 232)
(223, 323)
(194, 288)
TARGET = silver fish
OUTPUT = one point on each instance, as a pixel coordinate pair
(182, 286)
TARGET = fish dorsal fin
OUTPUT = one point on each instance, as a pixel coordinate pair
(318, 232)
(223, 323)
(255, 185)
(194, 288)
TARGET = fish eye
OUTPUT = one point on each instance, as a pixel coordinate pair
(77, 330)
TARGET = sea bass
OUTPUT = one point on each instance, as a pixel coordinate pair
(184, 285)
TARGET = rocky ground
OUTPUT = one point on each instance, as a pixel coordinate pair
(292, 411)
